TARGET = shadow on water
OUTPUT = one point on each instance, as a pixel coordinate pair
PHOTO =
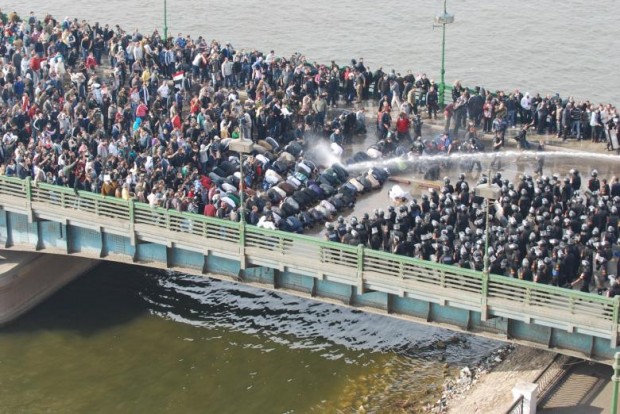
(107, 296)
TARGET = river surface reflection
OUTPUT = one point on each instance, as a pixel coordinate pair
(126, 339)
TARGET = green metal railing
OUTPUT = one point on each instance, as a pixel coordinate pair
(353, 265)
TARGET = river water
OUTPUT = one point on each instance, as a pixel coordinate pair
(127, 339)
(538, 46)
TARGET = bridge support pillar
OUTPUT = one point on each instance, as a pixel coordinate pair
(29, 212)
(102, 253)
(205, 263)
(429, 312)
(134, 258)
(39, 244)
(8, 240)
(314, 287)
(276, 278)
(242, 257)
(351, 299)
(360, 269)
(169, 253)
(389, 304)
(484, 307)
(132, 223)
(68, 236)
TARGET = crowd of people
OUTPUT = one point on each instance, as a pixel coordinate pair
(136, 116)
(551, 229)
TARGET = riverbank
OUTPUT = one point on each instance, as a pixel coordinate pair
(487, 386)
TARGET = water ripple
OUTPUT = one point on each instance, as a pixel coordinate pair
(300, 323)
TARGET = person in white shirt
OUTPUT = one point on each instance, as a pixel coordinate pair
(153, 198)
(112, 149)
(526, 104)
(227, 72)
(164, 92)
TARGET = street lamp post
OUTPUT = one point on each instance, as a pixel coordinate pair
(443, 19)
(241, 146)
(488, 192)
(165, 20)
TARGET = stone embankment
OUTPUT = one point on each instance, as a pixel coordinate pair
(487, 386)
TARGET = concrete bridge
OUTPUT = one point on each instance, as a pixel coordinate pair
(52, 219)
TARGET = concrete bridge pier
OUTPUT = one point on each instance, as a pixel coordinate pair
(28, 278)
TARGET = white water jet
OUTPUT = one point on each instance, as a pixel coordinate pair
(479, 156)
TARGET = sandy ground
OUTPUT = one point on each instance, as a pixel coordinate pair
(492, 393)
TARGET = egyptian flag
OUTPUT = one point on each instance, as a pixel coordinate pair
(178, 78)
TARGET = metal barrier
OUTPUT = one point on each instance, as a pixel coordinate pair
(195, 224)
(551, 375)
(357, 266)
(516, 407)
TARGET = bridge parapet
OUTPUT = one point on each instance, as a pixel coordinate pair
(136, 232)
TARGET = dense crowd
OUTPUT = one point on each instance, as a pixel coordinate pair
(550, 230)
(99, 109)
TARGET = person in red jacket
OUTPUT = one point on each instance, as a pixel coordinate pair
(402, 127)
(91, 62)
(176, 121)
(142, 111)
(210, 210)
(35, 67)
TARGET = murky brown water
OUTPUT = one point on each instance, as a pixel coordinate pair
(123, 339)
